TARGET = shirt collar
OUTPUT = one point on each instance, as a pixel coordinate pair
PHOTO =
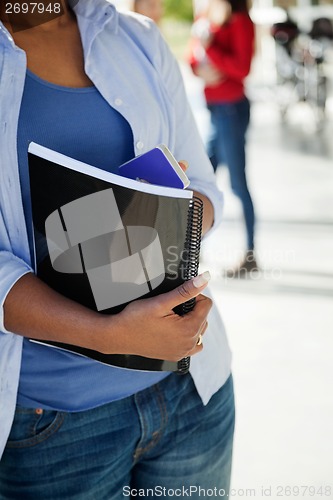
(5, 33)
(100, 12)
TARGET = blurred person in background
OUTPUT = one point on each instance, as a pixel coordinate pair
(149, 8)
(221, 51)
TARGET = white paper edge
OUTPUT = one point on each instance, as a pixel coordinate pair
(85, 168)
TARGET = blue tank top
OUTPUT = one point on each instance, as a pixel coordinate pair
(77, 122)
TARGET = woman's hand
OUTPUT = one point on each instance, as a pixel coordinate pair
(150, 328)
(183, 165)
(146, 327)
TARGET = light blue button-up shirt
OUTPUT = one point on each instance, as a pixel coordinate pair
(132, 67)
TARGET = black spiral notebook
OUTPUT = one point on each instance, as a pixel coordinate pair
(104, 240)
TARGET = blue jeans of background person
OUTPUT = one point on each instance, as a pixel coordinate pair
(229, 123)
(162, 437)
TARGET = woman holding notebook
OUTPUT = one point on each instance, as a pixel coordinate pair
(101, 87)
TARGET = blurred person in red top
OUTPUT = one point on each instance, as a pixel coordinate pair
(222, 49)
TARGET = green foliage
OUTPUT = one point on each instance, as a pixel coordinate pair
(179, 9)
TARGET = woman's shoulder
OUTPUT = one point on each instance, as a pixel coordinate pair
(145, 35)
(118, 21)
(137, 23)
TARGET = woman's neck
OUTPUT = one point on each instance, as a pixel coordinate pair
(53, 49)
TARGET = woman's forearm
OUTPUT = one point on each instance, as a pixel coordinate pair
(32, 309)
(146, 327)
(208, 212)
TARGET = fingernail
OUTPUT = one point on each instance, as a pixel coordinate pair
(184, 163)
(202, 279)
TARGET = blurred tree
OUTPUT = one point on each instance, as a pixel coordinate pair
(180, 9)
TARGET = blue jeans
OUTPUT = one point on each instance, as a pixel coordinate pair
(229, 123)
(162, 438)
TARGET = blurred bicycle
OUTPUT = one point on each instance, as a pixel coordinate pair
(300, 64)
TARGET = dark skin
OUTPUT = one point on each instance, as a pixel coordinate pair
(54, 50)
(32, 309)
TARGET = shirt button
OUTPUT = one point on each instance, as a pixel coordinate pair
(139, 145)
(118, 101)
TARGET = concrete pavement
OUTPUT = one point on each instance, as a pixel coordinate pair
(280, 323)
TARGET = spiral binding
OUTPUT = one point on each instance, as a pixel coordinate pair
(192, 252)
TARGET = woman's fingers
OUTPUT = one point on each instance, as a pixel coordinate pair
(183, 165)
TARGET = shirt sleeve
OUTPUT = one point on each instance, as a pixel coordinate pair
(11, 270)
(187, 142)
(237, 63)
(12, 267)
